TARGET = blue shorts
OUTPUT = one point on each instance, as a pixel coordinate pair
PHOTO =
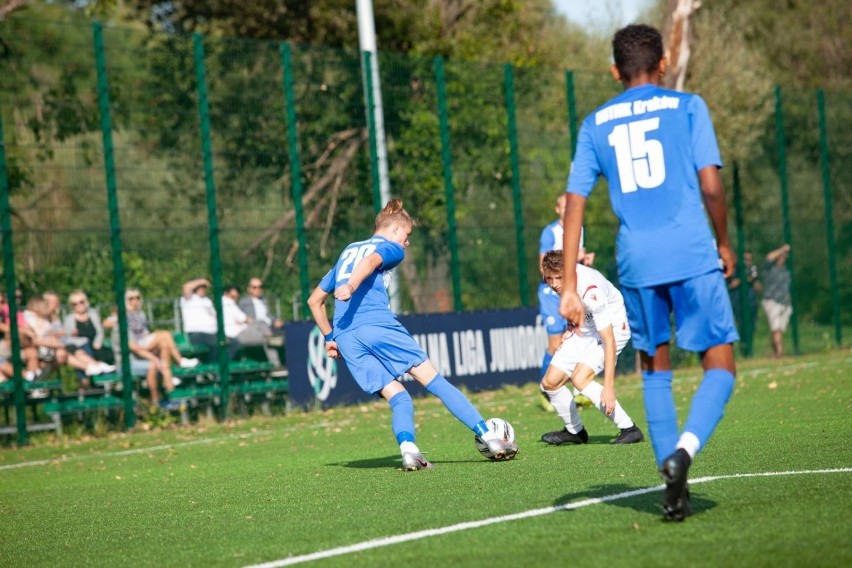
(702, 314)
(548, 307)
(379, 354)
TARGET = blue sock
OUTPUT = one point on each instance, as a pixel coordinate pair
(708, 404)
(660, 412)
(402, 417)
(545, 362)
(455, 401)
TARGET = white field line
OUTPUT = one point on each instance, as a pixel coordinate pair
(391, 540)
(164, 447)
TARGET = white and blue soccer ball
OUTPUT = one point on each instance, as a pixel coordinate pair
(500, 427)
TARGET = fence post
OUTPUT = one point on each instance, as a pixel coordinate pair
(118, 275)
(516, 184)
(295, 172)
(572, 110)
(746, 322)
(785, 209)
(371, 133)
(449, 190)
(11, 285)
(212, 222)
(829, 217)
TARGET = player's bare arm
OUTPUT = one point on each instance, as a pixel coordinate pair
(716, 205)
(608, 394)
(570, 306)
(363, 269)
(316, 303)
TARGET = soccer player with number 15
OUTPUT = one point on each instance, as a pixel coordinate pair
(657, 150)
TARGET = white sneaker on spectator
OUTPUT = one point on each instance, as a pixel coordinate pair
(106, 368)
(176, 381)
(31, 375)
(40, 393)
(93, 369)
(188, 362)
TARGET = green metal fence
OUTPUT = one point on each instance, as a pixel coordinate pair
(143, 159)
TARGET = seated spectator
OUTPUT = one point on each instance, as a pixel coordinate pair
(256, 307)
(243, 330)
(6, 370)
(29, 353)
(151, 352)
(51, 349)
(199, 316)
(84, 323)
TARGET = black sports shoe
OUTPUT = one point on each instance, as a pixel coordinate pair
(674, 472)
(563, 436)
(632, 435)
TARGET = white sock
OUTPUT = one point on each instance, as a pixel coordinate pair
(409, 448)
(593, 392)
(564, 405)
(689, 442)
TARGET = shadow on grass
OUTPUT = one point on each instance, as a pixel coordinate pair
(395, 461)
(645, 503)
(372, 463)
(600, 439)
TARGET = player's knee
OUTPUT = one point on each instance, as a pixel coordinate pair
(551, 382)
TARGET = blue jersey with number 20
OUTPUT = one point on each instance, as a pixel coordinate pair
(649, 143)
(369, 304)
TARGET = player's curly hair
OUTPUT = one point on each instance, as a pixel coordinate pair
(636, 49)
(553, 262)
(393, 213)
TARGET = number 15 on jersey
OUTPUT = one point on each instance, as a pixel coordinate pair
(639, 158)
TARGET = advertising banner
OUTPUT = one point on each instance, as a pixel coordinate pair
(480, 350)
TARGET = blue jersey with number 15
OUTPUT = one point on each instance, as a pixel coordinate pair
(649, 143)
(369, 303)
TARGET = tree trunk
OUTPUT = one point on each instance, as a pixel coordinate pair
(9, 7)
(678, 42)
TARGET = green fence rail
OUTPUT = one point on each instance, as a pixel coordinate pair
(478, 153)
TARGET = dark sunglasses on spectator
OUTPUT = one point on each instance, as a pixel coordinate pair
(134, 297)
(79, 303)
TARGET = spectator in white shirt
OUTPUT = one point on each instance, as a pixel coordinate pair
(199, 316)
(242, 329)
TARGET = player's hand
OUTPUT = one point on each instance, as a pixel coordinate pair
(331, 349)
(343, 293)
(608, 400)
(571, 308)
(729, 260)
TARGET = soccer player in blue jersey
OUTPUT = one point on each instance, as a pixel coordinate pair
(377, 349)
(657, 150)
(548, 300)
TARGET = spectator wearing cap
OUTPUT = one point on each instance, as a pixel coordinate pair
(199, 316)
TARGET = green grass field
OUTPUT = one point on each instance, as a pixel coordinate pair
(266, 489)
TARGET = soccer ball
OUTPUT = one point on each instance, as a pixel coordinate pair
(500, 427)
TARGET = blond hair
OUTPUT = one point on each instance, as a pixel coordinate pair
(393, 213)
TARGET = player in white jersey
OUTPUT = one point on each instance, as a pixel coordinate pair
(585, 352)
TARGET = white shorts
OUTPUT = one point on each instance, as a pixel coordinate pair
(588, 350)
(778, 314)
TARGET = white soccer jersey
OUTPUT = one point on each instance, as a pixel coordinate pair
(603, 303)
